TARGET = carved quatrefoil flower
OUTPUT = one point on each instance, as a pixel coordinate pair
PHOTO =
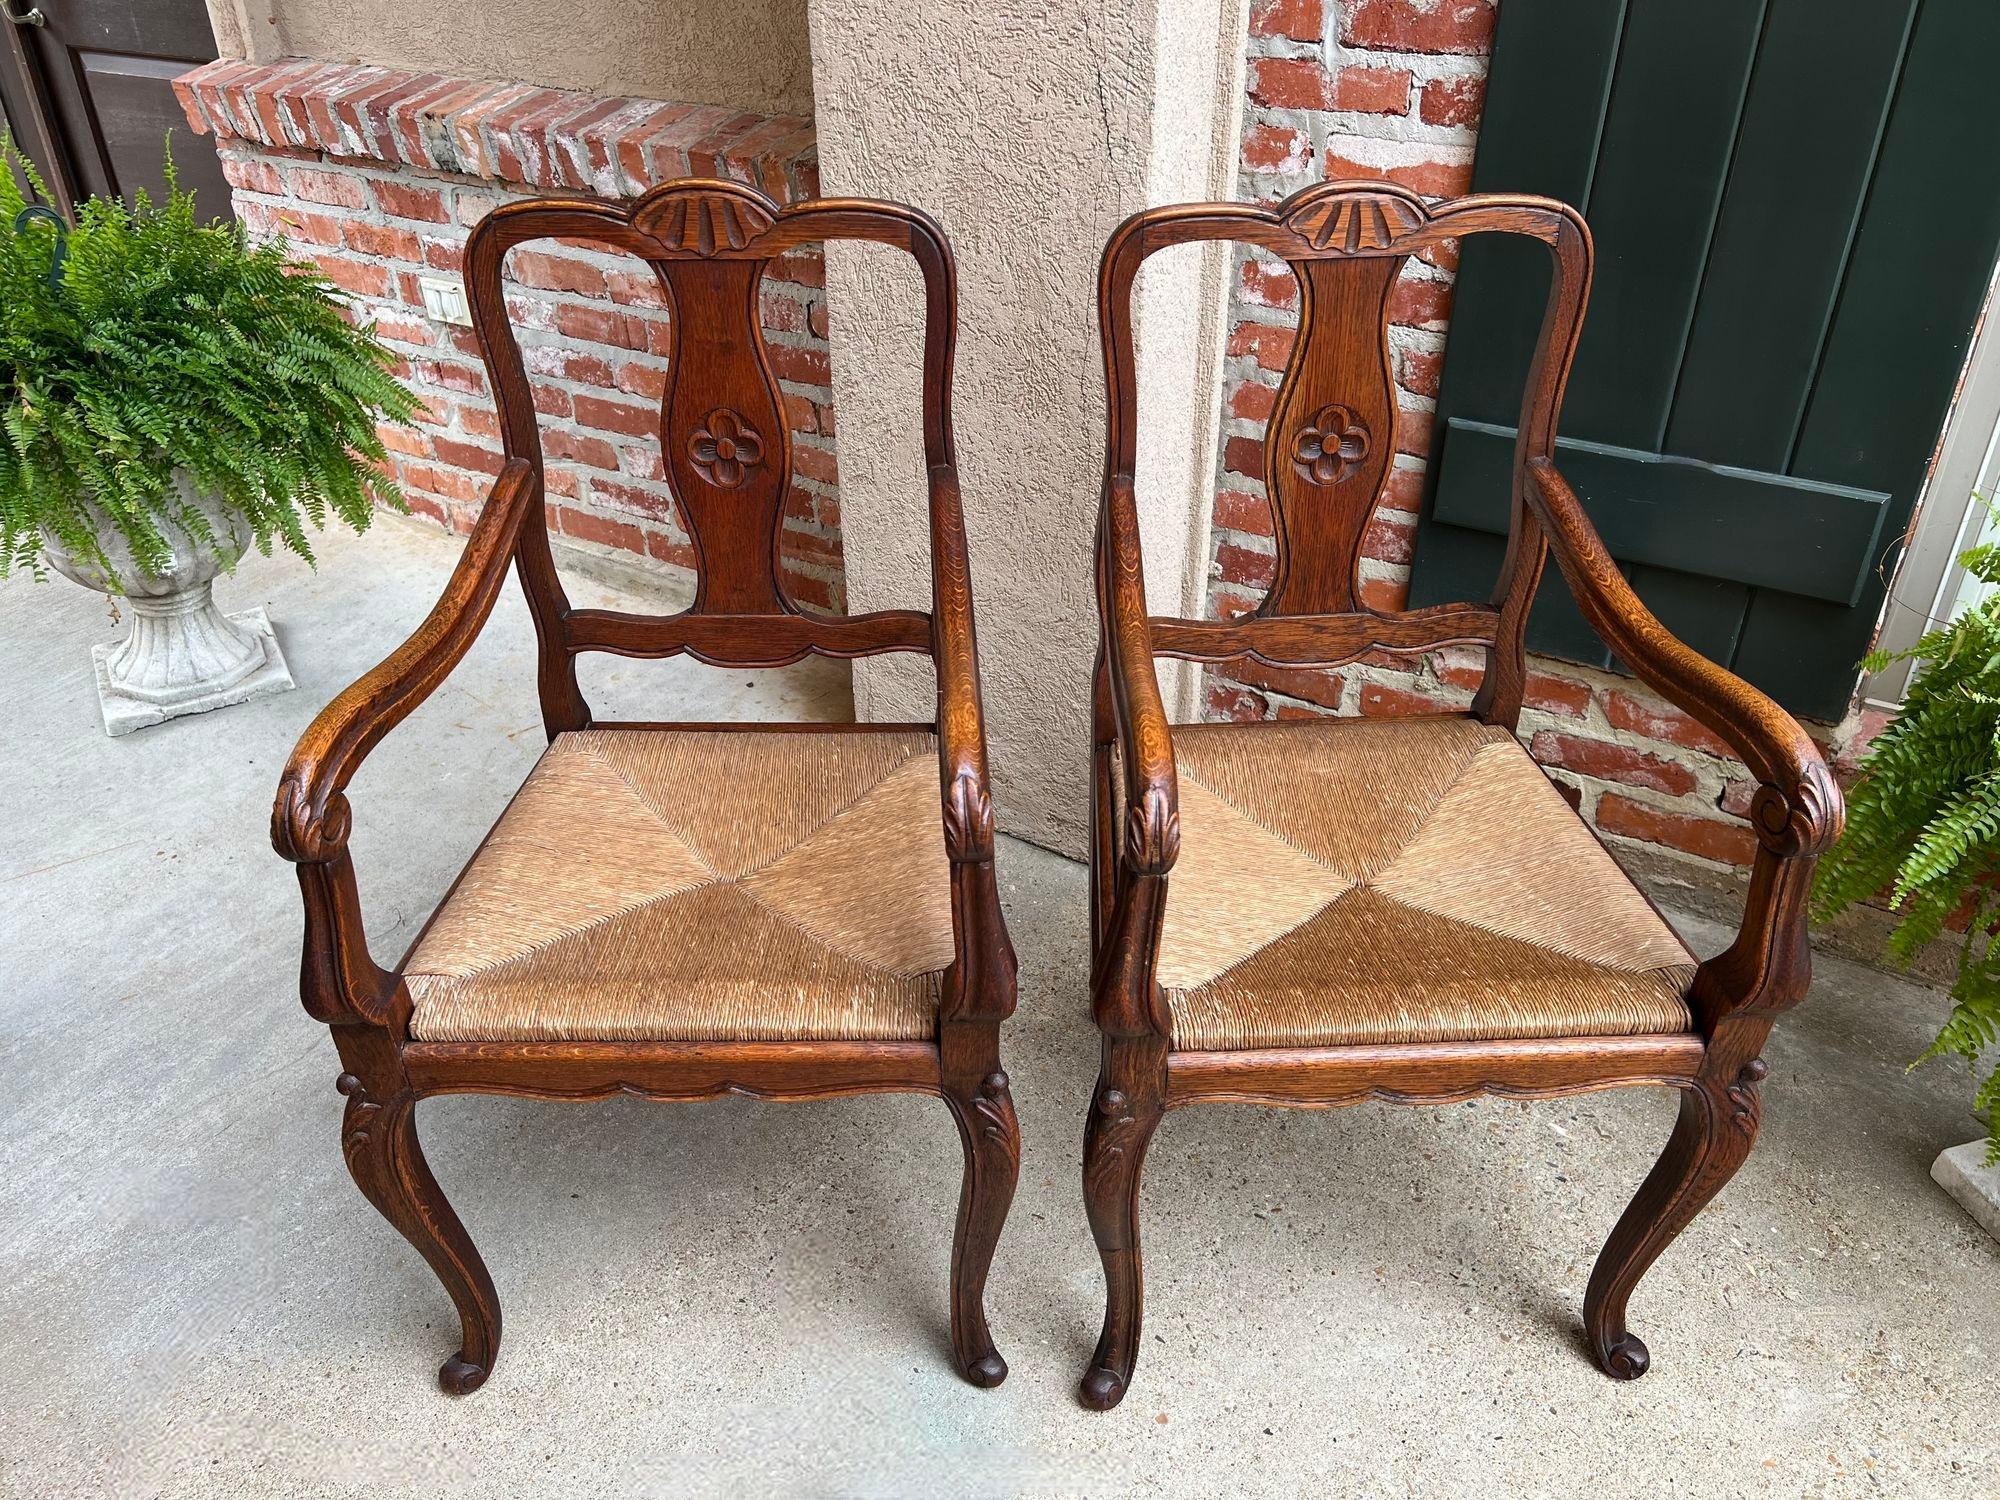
(725, 448)
(1327, 449)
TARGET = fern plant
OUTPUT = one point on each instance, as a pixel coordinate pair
(1923, 822)
(144, 341)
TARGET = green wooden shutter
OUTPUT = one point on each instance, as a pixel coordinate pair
(1796, 206)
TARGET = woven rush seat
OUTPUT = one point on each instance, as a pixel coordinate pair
(700, 886)
(1405, 880)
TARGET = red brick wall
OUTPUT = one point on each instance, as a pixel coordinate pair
(1393, 88)
(377, 175)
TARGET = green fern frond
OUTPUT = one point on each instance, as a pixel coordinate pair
(172, 344)
(1923, 821)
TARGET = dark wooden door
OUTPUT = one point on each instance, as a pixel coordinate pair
(1796, 205)
(88, 88)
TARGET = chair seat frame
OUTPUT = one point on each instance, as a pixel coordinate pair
(708, 243)
(1346, 242)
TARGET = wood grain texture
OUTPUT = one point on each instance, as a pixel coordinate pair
(1713, 1134)
(672, 1070)
(727, 452)
(981, 1102)
(1327, 451)
(1429, 1072)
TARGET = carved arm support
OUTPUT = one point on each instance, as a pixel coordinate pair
(1152, 836)
(968, 798)
(1797, 811)
(1125, 999)
(983, 966)
(311, 819)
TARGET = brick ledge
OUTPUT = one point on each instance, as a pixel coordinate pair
(551, 139)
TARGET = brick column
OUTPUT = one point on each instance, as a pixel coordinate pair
(1030, 134)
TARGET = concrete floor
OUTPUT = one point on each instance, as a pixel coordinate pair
(738, 1298)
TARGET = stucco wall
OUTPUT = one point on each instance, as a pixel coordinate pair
(1029, 132)
(751, 54)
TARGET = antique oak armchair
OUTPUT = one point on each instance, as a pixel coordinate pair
(1316, 913)
(682, 911)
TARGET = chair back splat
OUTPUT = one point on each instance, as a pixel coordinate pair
(1333, 434)
(724, 439)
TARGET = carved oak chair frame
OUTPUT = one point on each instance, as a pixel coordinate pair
(1346, 243)
(708, 242)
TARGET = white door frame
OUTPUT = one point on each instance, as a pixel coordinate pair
(1947, 519)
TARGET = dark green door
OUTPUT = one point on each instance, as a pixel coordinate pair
(1796, 207)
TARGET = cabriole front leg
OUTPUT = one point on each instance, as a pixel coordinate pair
(379, 1138)
(1124, 1112)
(1712, 1138)
(991, 1137)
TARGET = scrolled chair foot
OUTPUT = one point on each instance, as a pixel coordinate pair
(1625, 1359)
(459, 1377)
(987, 1371)
(1101, 1389)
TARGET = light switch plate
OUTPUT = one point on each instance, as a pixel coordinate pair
(444, 301)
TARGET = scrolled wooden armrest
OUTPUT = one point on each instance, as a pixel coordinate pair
(1797, 810)
(310, 820)
(1152, 793)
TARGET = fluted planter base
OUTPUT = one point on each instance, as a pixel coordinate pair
(184, 655)
(217, 660)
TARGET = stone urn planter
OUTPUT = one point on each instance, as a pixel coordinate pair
(176, 391)
(183, 655)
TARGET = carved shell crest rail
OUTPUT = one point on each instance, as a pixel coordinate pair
(1354, 222)
(702, 221)
(1332, 434)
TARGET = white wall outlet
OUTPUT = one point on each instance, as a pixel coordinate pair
(444, 301)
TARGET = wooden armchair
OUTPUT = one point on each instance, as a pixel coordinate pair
(682, 911)
(1317, 913)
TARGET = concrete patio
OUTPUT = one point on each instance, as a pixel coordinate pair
(749, 1299)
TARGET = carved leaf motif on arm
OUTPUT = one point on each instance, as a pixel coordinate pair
(968, 820)
(1152, 833)
(1806, 822)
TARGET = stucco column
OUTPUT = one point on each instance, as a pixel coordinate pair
(1029, 132)
(247, 29)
